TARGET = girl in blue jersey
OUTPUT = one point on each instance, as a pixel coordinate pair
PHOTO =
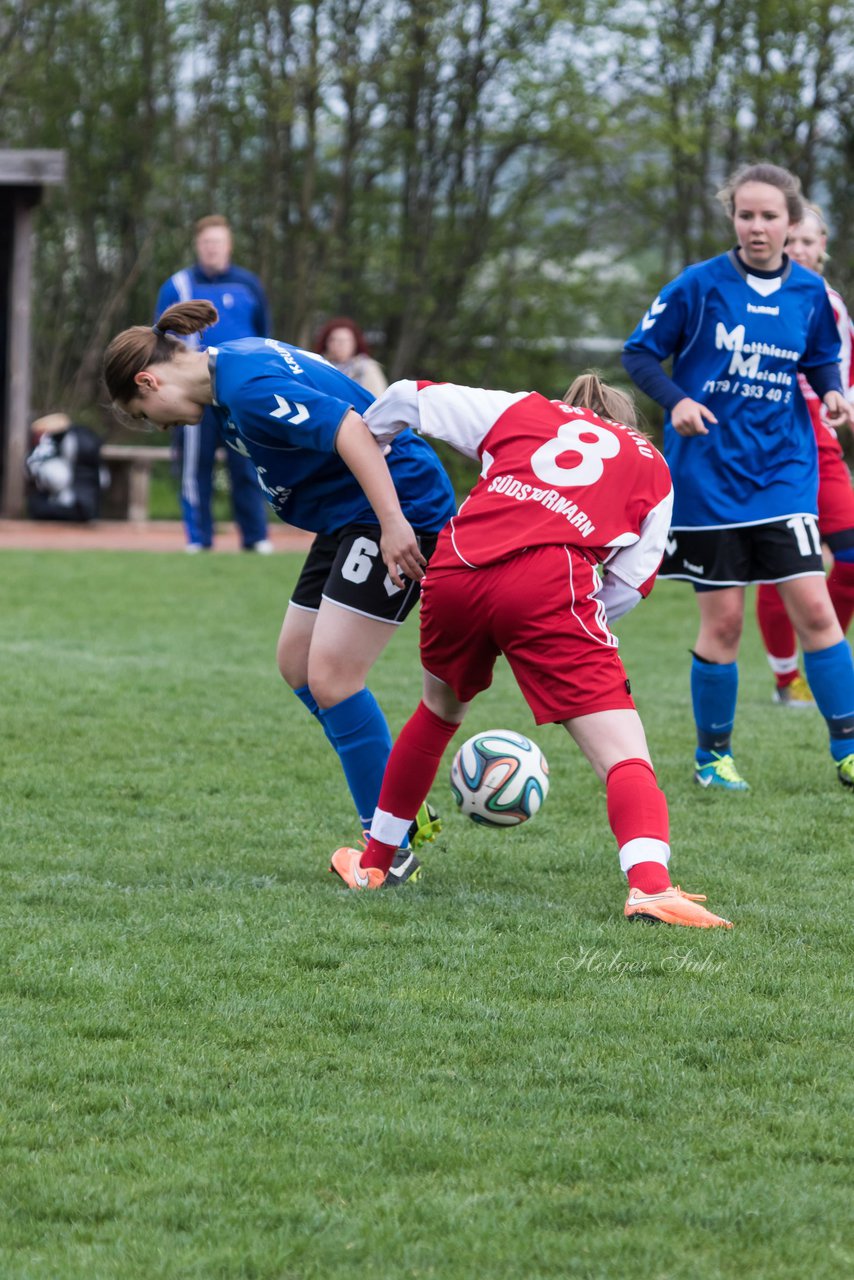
(742, 453)
(376, 519)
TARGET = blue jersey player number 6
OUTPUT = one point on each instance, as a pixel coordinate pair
(376, 518)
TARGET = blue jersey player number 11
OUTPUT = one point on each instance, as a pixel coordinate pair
(376, 519)
(742, 452)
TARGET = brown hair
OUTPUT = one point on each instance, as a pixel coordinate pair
(588, 391)
(773, 176)
(341, 322)
(212, 220)
(143, 345)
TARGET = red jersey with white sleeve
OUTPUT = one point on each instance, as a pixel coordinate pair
(551, 474)
(846, 367)
(835, 496)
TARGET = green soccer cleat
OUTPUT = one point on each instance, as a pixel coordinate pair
(721, 774)
(796, 695)
(425, 827)
(845, 771)
(406, 869)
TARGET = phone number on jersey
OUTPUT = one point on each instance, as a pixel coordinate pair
(750, 390)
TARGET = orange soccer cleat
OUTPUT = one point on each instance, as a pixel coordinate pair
(345, 863)
(672, 906)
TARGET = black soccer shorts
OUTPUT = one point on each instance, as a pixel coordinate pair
(347, 568)
(733, 557)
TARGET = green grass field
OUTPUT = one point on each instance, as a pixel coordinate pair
(216, 1064)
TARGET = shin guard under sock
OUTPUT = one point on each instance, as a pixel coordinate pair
(778, 634)
(830, 673)
(637, 812)
(410, 773)
(714, 693)
(840, 584)
(357, 729)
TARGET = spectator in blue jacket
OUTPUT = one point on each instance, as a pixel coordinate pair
(239, 298)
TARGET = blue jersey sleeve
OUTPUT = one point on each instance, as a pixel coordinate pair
(823, 342)
(282, 413)
(646, 372)
(663, 330)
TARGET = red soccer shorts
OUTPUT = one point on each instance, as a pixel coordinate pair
(538, 609)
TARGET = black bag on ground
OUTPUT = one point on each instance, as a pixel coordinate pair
(64, 472)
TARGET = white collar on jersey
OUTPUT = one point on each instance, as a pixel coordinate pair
(764, 287)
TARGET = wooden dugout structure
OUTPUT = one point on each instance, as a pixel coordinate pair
(23, 177)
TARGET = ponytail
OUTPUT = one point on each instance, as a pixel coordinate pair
(588, 391)
(184, 318)
(143, 345)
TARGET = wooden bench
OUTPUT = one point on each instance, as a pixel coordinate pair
(130, 467)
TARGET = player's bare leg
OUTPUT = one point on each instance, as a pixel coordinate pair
(607, 737)
(294, 644)
(326, 656)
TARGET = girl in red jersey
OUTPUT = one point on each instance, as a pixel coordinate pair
(807, 244)
(565, 487)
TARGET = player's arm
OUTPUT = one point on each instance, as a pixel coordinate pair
(839, 412)
(821, 367)
(460, 416)
(394, 411)
(687, 416)
(826, 382)
(659, 334)
(630, 573)
(617, 596)
(398, 545)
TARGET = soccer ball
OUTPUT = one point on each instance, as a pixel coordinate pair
(499, 778)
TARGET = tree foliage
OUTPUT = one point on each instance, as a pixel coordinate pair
(484, 184)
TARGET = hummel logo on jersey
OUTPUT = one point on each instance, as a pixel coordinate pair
(763, 311)
(655, 310)
(298, 412)
(238, 446)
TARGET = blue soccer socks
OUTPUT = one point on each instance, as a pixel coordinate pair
(830, 673)
(714, 692)
(357, 729)
(306, 697)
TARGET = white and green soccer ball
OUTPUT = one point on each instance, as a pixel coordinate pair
(499, 778)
